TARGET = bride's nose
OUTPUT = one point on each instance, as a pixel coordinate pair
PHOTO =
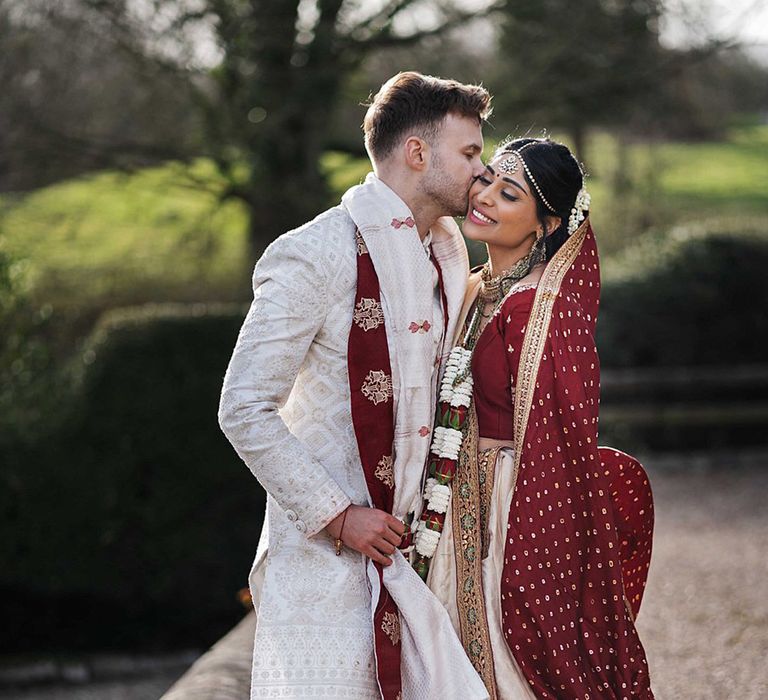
(485, 195)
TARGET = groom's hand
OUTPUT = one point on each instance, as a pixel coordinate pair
(370, 531)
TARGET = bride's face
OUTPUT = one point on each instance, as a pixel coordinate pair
(502, 210)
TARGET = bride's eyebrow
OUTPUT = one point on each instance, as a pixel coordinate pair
(509, 180)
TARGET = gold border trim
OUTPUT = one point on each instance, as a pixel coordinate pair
(486, 477)
(468, 538)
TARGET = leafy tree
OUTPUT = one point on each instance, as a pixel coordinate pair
(264, 77)
(576, 65)
(284, 64)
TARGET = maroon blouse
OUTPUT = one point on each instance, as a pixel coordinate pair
(495, 362)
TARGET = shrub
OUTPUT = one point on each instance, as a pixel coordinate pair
(689, 299)
(687, 314)
(133, 523)
(27, 376)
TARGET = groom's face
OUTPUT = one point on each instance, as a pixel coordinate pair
(454, 164)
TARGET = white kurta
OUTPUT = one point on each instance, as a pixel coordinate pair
(285, 407)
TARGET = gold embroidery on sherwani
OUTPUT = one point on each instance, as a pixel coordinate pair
(466, 523)
(536, 332)
(362, 249)
(377, 386)
(368, 314)
(390, 625)
(385, 470)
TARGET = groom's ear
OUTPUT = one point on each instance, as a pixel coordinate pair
(416, 153)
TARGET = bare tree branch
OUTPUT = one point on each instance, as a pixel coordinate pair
(386, 38)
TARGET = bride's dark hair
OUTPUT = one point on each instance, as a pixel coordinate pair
(559, 178)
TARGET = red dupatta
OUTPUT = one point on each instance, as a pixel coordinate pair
(581, 518)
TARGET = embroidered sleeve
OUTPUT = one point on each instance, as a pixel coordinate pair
(288, 309)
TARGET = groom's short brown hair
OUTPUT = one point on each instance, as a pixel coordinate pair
(416, 103)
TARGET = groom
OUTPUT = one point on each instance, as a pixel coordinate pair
(329, 399)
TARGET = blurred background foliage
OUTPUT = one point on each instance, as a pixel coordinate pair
(149, 151)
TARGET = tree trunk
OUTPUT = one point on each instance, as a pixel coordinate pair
(277, 208)
(579, 137)
(286, 186)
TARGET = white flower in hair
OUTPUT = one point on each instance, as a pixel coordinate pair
(583, 200)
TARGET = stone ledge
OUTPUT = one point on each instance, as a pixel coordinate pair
(223, 672)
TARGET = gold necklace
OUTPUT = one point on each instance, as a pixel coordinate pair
(495, 287)
(493, 290)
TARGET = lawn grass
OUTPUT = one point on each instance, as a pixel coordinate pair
(722, 184)
(111, 239)
(117, 238)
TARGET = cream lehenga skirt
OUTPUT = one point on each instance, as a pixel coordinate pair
(466, 584)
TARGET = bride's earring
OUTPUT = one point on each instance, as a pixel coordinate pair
(539, 251)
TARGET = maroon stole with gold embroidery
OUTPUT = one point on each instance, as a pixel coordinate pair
(372, 406)
(370, 383)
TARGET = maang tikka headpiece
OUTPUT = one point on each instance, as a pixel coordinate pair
(508, 166)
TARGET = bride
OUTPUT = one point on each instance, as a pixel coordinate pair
(537, 541)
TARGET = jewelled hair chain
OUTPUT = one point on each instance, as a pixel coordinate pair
(509, 166)
(583, 198)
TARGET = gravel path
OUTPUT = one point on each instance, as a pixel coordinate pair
(128, 689)
(704, 620)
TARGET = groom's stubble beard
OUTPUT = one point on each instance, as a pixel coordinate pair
(449, 195)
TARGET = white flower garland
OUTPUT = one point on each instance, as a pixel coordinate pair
(437, 496)
(446, 443)
(426, 540)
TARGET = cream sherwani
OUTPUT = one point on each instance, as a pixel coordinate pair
(285, 407)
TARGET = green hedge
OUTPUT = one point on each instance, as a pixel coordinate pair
(686, 299)
(133, 523)
(684, 315)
